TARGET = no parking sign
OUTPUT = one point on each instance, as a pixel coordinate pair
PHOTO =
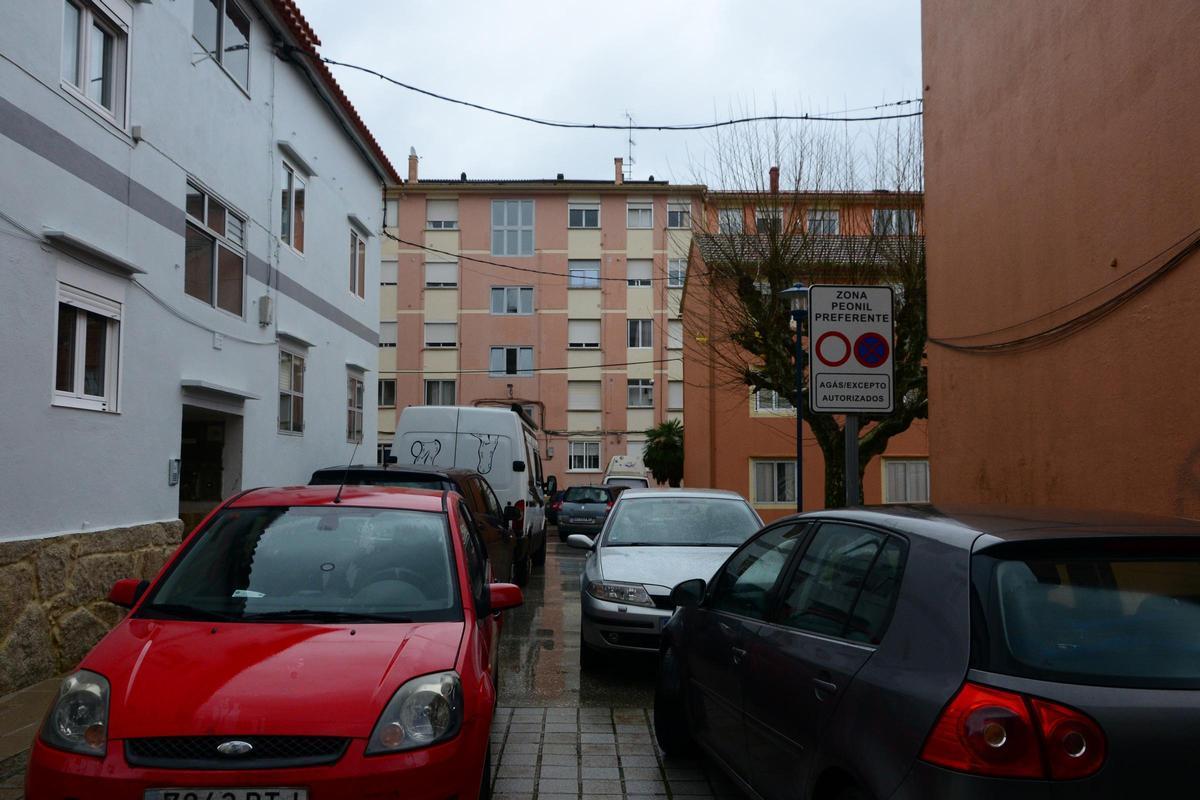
(850, 335)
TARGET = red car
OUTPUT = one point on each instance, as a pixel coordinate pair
(300, 645)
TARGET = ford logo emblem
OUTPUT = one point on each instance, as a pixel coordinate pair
(234, 748)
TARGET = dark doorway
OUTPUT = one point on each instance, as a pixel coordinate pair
(210, 457)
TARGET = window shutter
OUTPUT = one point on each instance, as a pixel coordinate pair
(640, 269)
(675, 394)
(583, 395)
(441, 334)
(675, 334)
(389, 272)
(387, 333)
(583, 333)
(88, 301)
(441, 273)
(441, 210)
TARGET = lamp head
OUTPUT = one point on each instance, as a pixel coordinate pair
(797, 296)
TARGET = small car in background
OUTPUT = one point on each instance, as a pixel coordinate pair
(652, 540)
(584, 509)
(922, 652)
(553, 504)
(302, 643)
(628, 471)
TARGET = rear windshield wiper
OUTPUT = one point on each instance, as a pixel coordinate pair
(184, 611)
(313, 615)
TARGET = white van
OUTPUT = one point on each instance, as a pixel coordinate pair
(626, 471)
(497, 443)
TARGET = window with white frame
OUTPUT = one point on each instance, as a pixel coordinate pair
(641, 393)
(583, 215)
(905, 480)
(894, 222)
(508, 300)
(441, 334)
(676, 273)
(583, 395)
(441, 274)
(223, 30)
(639, 271)
(675, 334)
(214, 252)
(441, 215)
(358, 263)
(387, 333)
(391, 213)
(731, 220)
(95, 55)
(641, 333)
(768, 220)
(439, 393)
(583, 334)
(583, 456)
(774, 481)
(291, 204)
(389, 273)
(87, 354)
(291, 391)
(387, 392)
(771, 400)
(674, 395)
(583, 274)
(354, 406)
(823, 222)
(514, 360)
(639, 215)
(512, 227)
(679, 215)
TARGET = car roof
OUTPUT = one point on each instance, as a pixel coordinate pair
(633, 493)
(415, 469)
(362, 496)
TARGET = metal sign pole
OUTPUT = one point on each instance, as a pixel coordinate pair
(851, 431)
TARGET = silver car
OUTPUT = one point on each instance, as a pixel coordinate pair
(653, 539)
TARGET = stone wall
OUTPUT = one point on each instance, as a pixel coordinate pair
(52, 594)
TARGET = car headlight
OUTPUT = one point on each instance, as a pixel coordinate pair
(424, 711)
(78, 720)
(632, 593)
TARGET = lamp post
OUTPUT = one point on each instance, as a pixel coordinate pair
(797, 297)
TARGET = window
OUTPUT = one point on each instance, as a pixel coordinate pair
(387, 333)
(641, 393)
(675, 334)
(675, 395)
(391, 213)
(583, 333)
(746, 584)
(583, 215)
(640, 334)
(94, 56)
(512, 227)
(679, 215)
(291, 392)
(771, 400)
(441, 215)
(383, 452)
(387, 392)
(214, 252)
(639, 215)
(768, 220)
(441, 274)
(905, 480)
(358, 264)
(441, 334)
(474, 555)
(639, 271)
(730, 220)
(389, 273)
(583, 456)
(823, 222)
(87, 354)
(894, 222)
(583, 274)
(676, 273)
(510, 361)
(774, 481)
(439, 393)
(512, 300)
(291, 220)
(354, 408)
(583, 395)
(223, 30)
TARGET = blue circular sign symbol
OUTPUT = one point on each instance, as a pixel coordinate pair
(871, 350)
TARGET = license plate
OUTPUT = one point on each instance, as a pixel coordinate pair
(227, 794)
(580, 519)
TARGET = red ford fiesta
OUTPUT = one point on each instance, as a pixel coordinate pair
(298, 646)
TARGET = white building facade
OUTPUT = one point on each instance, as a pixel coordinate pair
(189, 256)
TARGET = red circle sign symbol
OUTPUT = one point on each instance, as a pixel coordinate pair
(822, 348)
(871, 350)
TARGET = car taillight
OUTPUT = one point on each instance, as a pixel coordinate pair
(556, 505)
(988, 731)
(608, 505)
(520, 506)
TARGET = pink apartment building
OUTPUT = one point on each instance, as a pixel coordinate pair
(562, 295)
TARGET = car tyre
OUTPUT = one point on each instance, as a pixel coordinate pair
(590, 659)
(670, 716)
(521, 570)
(485, 783)
(539, 558)
(562, 535)
(852, 793)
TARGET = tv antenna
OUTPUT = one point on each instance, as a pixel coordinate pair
(629, 140)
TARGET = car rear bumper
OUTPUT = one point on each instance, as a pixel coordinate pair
(609, 626)
(925, 781)
(586, 528)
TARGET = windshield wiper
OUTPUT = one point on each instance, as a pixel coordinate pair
(184, 611)
(313, 615)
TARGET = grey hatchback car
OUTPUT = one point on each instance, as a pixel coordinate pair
(943, 653)
(584, 510)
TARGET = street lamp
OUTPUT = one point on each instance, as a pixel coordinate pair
(797, 297)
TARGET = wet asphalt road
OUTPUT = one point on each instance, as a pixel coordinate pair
(539, 649)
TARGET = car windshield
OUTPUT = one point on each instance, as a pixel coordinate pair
(586, 494)
(1098, 612)
(632, 483)
(681, 521)
(314, 564)
(378, 478)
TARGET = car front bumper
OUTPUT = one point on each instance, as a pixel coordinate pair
(615, 626)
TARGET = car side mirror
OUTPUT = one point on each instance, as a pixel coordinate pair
(127, 591)
(518, 466)
(503, 596)
(580, 542)
(689, 594)
(551, 485)
(511, 513)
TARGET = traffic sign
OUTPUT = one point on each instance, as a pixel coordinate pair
(850, 335)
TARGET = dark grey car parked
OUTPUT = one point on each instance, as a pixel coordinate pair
(584, 510)
(943, 653)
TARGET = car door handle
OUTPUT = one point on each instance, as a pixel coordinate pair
(824, 687)
(738, 654)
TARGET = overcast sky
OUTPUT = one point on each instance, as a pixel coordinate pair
(663, 61)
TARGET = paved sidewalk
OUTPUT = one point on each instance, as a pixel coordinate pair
(20, 714)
